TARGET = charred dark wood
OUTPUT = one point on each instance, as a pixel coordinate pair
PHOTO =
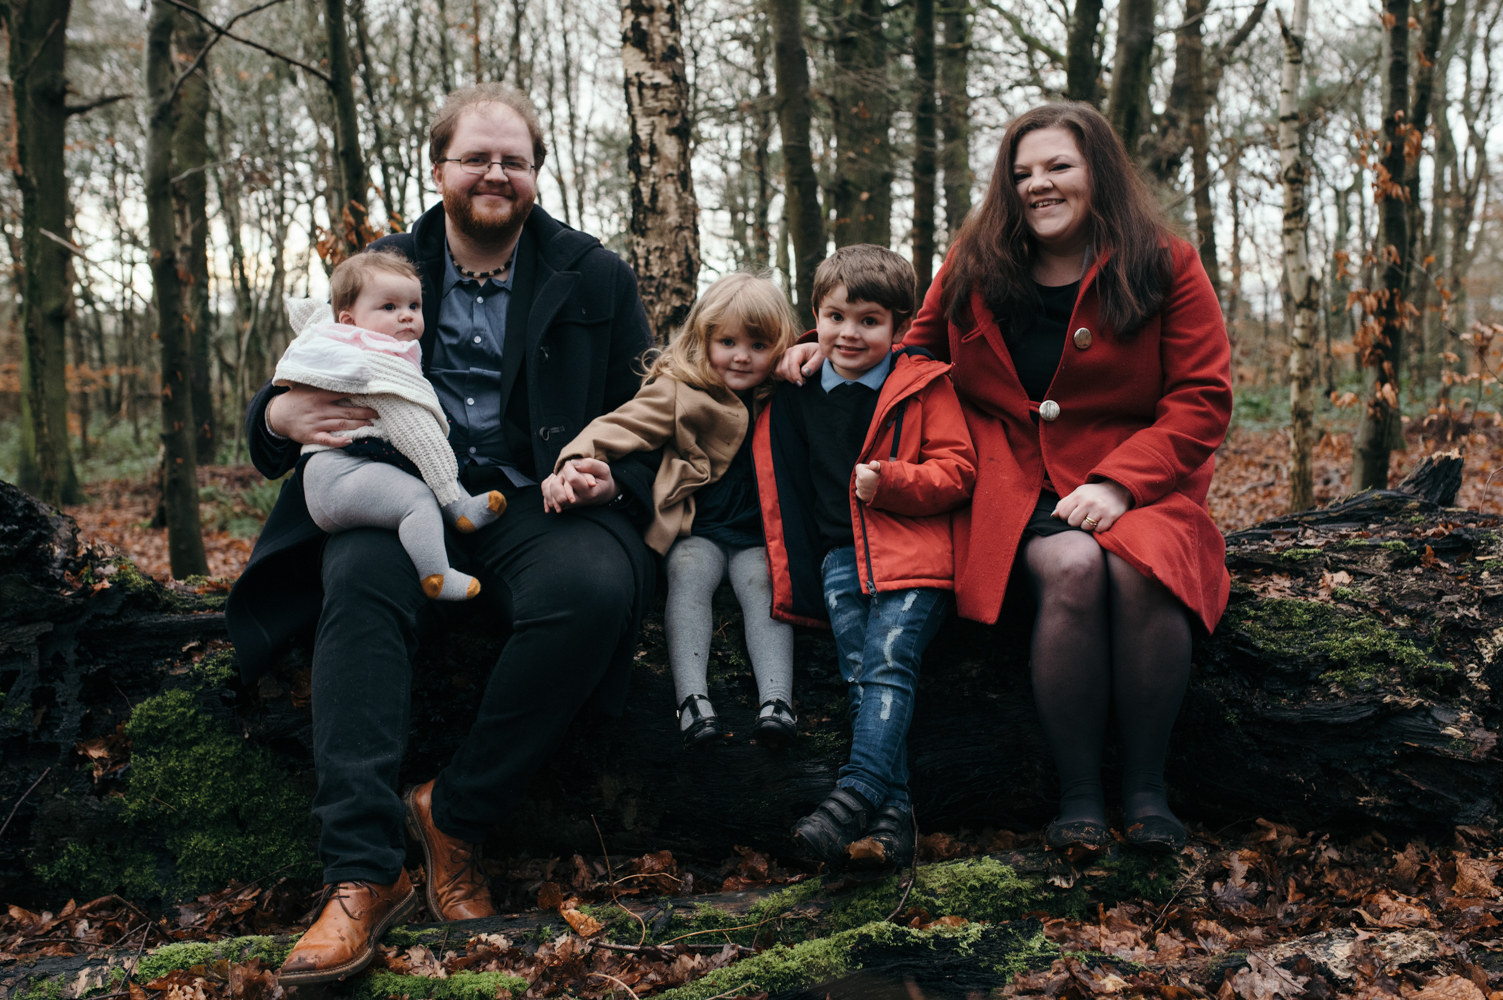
(1353, 681)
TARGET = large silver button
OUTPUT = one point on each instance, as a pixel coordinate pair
(1082, 338)
(1049, 409)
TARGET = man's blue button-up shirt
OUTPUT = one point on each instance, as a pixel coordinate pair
(466, 366)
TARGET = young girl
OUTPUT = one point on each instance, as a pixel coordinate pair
(696, 403)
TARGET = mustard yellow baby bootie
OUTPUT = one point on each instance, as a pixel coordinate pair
(451, 585)
(474, 513)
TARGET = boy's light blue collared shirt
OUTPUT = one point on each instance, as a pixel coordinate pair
(872, 378)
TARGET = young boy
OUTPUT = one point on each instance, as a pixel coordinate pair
(859, 471)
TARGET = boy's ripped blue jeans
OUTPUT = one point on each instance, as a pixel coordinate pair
(880, 640)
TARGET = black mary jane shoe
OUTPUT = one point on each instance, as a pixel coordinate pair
(1158, 833)
(893, 832)
(841, 818)
(1085, 833)
(705, 730)
(777, 729)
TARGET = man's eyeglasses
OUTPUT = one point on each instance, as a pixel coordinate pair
(479, 164)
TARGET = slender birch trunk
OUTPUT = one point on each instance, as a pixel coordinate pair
(1303, 292)
(664, 228)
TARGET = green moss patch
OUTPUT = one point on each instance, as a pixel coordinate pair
(221, 806)
(1354, 649)
(999, 950)
(382, 984)
(190, 953)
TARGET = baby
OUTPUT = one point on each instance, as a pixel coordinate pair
(371, 351)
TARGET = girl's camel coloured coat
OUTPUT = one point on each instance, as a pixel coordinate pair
(1146, 411)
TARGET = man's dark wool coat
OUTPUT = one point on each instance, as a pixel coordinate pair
(576, 326)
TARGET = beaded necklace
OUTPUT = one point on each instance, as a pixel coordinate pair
(479, 275)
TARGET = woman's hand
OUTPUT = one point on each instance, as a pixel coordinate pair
(582, 482)
(310, 416)
(1098, 503)
(867, 477)
(799, 362)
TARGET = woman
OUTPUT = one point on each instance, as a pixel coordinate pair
(1093, 364)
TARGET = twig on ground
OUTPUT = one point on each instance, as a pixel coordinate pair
(665, 949)
(912, 870)
(1188, 877)
(28, 791)
(133, 906)
(722, 930)
(619, 983)
(611, 875)
(735, 992)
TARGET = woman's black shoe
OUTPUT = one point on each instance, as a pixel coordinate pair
(1084, 833)
(776, 729)
(705, 729)
(1158, 833)
(825, 833)
(893, 830)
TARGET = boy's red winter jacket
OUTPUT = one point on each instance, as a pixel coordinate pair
(903, 537)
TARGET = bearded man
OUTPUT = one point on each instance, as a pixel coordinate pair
(531, 330)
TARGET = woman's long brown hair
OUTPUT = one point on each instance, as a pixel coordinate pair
(995, 251)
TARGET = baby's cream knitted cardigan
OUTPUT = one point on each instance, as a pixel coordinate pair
(382, 373)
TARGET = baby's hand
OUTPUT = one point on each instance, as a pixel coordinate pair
(556, 495)
(867, 477)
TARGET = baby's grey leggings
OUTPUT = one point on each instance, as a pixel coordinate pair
(350, 491)
(696, 566)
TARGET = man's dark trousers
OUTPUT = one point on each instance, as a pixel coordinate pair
(568, 586)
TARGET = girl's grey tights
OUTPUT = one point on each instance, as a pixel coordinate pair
(696, 566)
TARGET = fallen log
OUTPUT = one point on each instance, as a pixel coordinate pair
(1353, 681)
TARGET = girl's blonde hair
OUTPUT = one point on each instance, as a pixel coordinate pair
(741, 299)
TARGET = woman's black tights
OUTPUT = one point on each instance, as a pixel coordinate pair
(1106, 636)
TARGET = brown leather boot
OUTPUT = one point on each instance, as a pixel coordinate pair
(356, 915)
(456, 887)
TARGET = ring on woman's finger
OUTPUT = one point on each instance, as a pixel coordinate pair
(1090, 523)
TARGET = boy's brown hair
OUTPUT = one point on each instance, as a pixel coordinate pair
(870, 274)
(349, 278)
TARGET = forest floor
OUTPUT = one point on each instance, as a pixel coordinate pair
(1369, 917)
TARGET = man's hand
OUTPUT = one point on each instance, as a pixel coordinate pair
(1100, 504)
(582, 482)
(867, 477)
(310, 416)
(799, 362)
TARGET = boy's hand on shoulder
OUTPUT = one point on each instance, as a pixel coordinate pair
(867, 477)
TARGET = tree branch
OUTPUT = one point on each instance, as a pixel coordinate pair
(1028, 38)
(98, 102)
(1225, 52)
(225, 32)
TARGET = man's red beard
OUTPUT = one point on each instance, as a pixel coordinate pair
(498, 227)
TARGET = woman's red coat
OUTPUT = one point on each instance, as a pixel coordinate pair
(1147, 411)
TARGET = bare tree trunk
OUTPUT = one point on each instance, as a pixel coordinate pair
(1168, 152)
(350, 220)
(763, 117)
(1380, 431)
(1418, 280)
(1302, 287)
(806, 228)
(389, 196)
(923, 143)
(191, 195)
(1082, 72)
(955, 114)
(1132, 71)
(664, 228)
(863, 118)
(185, 543)
(38, 30)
